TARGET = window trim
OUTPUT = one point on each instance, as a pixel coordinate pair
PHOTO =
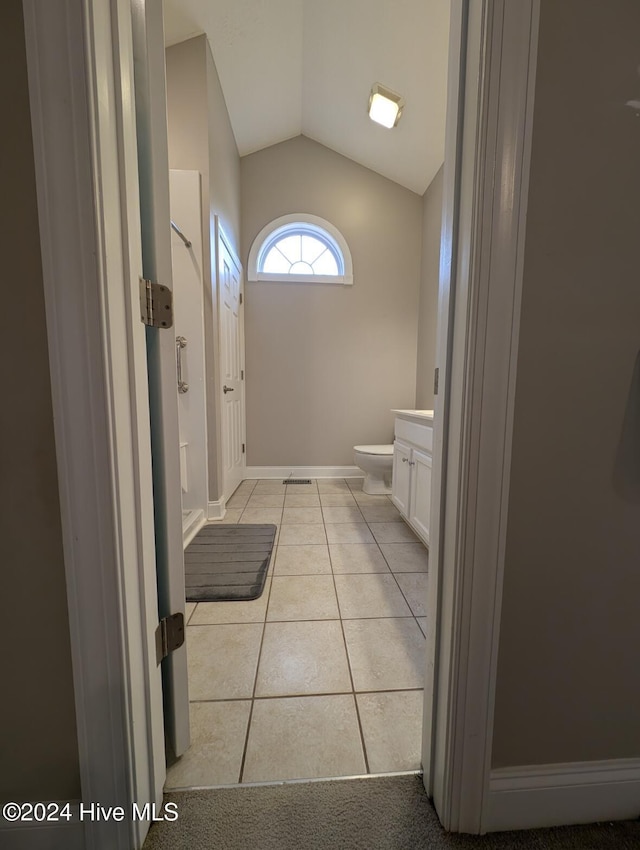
(339, 243)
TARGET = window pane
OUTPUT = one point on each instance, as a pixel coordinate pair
(326, 264)
(311, 249)
(290, 247)
(301, 268)
(275, 263)
(300, 247)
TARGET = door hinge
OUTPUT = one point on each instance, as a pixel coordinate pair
(169, 635)
(241, 298)
(436, 381)
(156, 304)
(243, 448)
(242, 374)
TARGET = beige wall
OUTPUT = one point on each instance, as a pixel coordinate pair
(224, 161)
(429, 281)
(326, 363)
(38, 747)
(201, 139)
(568, 685)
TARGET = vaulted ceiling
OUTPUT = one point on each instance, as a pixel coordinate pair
(307, 66)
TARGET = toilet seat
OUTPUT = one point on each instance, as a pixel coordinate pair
(374, 450)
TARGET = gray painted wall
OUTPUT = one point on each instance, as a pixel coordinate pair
(326, 363)
(429, 281)
(201, 139)
(38, 748)
(568, 686)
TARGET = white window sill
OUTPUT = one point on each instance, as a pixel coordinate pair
(263, 277)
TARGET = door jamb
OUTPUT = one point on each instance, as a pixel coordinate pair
(483, 244)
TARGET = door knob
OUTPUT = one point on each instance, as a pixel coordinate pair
(227, 389)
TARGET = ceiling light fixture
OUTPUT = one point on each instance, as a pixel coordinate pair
(385, 106)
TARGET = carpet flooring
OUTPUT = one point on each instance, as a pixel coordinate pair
(388, 813)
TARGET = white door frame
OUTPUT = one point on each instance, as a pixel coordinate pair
(80, 65)
(220, 236)
(98, 404)
(490, 116)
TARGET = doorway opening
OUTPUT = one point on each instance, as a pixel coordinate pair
(323, 675)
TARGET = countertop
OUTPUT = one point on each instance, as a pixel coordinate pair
(425, 416)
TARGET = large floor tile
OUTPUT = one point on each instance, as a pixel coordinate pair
(301, 500)
(302, 489)
(414, 586)
(357, 558)
(270, 488)
(392, 532)
(344, 499)
(342, 514)
(332, 485)
(231, 516)
(189, 608)
(379, 513)
(264, 500)
(301, 535)
(297, 516)
(218, 733)
(422, 622)
(222, 660)
(349, 532)
(386, 654)
(302, 598)
(239, 499)
(302, 560)
(392, 730)
(260, 516)
(303, 738)
(355, 484)
(370, 596)
(303, 658)
(245, 486)
(367, 499)
(217, 613)
(406, 557)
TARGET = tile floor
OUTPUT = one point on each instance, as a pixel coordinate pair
(322, 676)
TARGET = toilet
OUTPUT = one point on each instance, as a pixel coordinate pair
(377, 463)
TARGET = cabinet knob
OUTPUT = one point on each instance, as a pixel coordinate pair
(405, 460)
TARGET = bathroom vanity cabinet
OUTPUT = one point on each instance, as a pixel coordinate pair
(412, 454)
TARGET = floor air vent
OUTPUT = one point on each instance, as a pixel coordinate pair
(297, 481)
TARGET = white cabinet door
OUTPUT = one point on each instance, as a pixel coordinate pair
(420, 500)
(400, 487)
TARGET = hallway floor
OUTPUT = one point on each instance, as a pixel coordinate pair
(322, 676)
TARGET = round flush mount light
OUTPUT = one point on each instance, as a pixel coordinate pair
(385, 106)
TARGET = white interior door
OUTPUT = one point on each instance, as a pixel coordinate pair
(153, 165)
(231, 364)
(188, 309)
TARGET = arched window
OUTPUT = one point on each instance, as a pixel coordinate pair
(300, 248)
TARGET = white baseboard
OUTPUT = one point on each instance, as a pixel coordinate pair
(52, 835)
(303, 472)
(557, 794)
(217, 510)
(191, 526)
